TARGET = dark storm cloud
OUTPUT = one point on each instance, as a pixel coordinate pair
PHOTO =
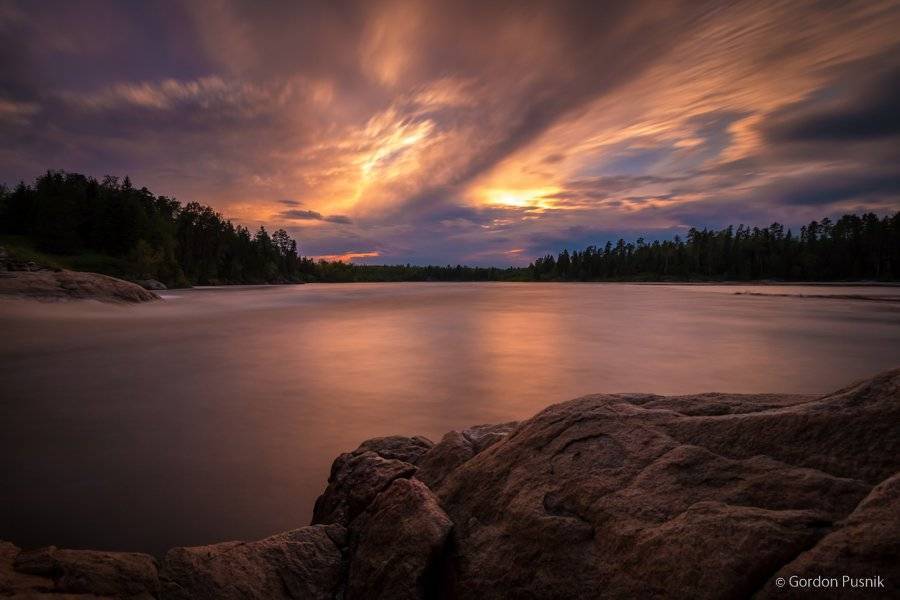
(610, 190)
(311, 215)
(835, 188)
(859, 115)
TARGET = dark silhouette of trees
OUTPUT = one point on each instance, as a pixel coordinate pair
(153, 236)
(853, 248)
(148, 236)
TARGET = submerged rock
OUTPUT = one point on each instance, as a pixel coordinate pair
(616, 496)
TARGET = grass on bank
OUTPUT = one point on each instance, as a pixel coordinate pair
(22, 248)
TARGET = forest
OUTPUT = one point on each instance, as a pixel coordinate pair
(851, 248)
(113, 227)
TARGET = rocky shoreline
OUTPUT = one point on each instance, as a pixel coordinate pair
(54, 286)
(28, 280)
(616, 496)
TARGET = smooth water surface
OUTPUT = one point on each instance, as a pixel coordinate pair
(215, 414)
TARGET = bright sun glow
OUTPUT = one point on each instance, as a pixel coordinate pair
(541, 197)
(391, 145)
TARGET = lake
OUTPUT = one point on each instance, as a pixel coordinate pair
(216, 414)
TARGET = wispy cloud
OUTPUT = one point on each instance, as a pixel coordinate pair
(453, 131)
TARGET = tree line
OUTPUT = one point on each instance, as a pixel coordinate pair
(130, 232)
(854, 247)
(145, 236)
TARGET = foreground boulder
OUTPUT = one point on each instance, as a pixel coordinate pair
(397, 544)
(629, 497)
(77, 574)
(397, 529)
(71, 285)
(614, 496)
(356, 480)
(398, 447)
(456, 448)
(863, 547)
(304, 563)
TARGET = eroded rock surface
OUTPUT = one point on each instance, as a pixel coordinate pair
(304, 563)
(356, 479)
(613, 496)
(629, 496)
(71, 285)
(397, 529)
(397, 545)
(458, 447)
(398, 447)
(866, 544)
(54, 573)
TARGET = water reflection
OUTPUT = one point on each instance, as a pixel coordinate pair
(215, 415)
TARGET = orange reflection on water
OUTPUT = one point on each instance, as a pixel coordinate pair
(215, 415)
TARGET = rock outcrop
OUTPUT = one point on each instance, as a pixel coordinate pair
(71, 285)
(152, 284)
(89, 574)
(304, 563)
(614, 496)
(397, 543)
(356, 480)
(456, 448)
(863, 545)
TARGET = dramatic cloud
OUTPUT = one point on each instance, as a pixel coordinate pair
(869, 113)
(311, 215)
(449, 132)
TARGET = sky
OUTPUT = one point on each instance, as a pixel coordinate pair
(482, 133)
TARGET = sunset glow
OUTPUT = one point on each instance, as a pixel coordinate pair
(436, 131)
(348, 256)
(520, 198)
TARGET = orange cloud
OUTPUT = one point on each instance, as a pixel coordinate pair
(347, 257)
(444, 129)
